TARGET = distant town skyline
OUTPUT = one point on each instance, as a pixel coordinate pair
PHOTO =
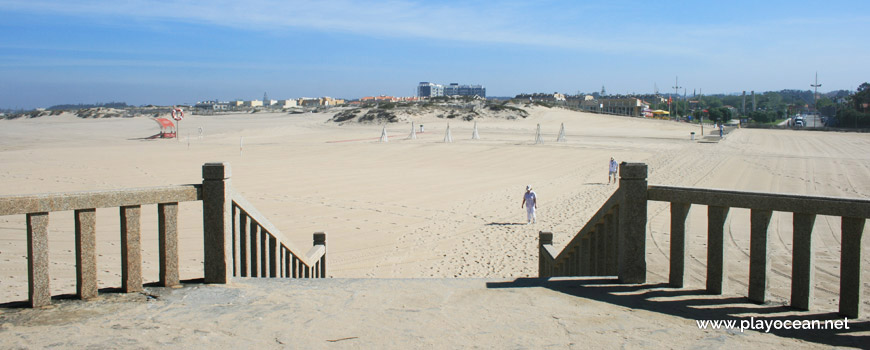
(170, 52)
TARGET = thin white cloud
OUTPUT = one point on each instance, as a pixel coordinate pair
(509, 24)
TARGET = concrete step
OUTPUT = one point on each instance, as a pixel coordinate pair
(402, 313)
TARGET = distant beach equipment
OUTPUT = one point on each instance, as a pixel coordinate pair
(538, 138)
(413, 135)
(474, 134)
(384, 137)
(561, 137)
(447, 137)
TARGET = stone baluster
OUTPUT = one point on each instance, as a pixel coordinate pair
(802, 261)
(273, 257)
(610, 228)
(850, 266)
(37, 262)
(255, 248)
(264, 252)
(244, 245)
(86, 253)
(585, 256)
(601, 249)
(167, 227)
(679, 212)
(716, 249)
(131, 249)
(758, 258)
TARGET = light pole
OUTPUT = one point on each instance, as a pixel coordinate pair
(677, 92)
(815, 98)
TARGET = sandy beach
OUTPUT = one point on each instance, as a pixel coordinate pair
(424, 208)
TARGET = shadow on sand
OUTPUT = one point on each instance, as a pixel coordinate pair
(695, 304)
(506, 224)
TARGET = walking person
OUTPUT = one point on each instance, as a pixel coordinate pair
(613, 169)
(530, 201)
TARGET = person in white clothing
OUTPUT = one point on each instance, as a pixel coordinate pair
(530, 201)
(613, 170)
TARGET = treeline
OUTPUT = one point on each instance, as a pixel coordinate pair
(837, 107)
(67, 107)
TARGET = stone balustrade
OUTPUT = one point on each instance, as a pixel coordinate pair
(225, 212)
(583, 255)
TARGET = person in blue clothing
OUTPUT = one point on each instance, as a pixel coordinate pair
(530, 202)
(613, 169)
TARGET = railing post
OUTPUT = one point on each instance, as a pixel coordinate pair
(632, 223)
(217, 225)
(716, 248)
(86, 253)
(320, 239)
(37, 259)
(131, 249)
(679, 211)
(167, 228)
(802, 261)
(544, 238)
(850, 266)
(758, 258)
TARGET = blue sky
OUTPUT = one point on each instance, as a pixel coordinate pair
(176, 52)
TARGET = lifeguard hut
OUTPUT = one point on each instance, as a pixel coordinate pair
(167, 129)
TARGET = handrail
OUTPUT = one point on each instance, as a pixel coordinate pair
(590, 224)
(819, 205)
(49, 202)
(309, 259)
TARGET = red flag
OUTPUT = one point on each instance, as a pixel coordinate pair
(669, 100)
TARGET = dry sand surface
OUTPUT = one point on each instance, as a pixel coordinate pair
(424, 208)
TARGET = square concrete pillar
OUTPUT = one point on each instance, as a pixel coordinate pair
(716, 267)
(850, 267)
(320, 239)
(217, 222)
(86, 253)
(37, 259)
(167, 236)
(758, 258)
(679, 211)
(802, 261)
(632, 223)
(544, 239)
(131, 249)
